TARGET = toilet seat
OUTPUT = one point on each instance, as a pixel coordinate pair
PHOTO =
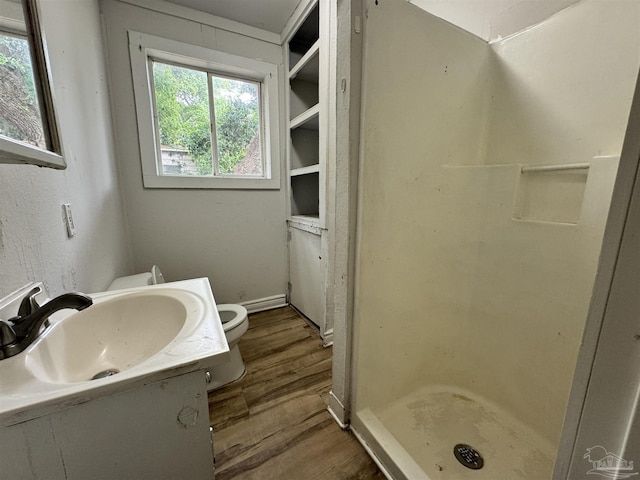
(231, 315)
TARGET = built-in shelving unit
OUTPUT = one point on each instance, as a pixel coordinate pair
(294, 172)
(305, 111)
(308, 67)
(308, 91)
(307, 119)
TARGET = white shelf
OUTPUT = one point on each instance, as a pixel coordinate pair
(305, 170)
(308, 67)
(307, 119)
(308, 223)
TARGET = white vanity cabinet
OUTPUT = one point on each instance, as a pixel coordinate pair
(155, 431)
(147, 420)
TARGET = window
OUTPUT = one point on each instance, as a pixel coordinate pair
(20, 117)
(28, 126)
(206, 119)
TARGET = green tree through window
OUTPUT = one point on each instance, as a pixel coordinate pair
(19, 110)
(184, 120)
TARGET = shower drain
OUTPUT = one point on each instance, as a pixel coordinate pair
(105, 373)
(468, 456)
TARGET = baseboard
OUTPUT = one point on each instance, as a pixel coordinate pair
(327, 338)
(267, 303)
(337, 411)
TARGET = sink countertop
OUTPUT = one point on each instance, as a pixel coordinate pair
(200, 344)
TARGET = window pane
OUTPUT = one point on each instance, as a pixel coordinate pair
(182, 106)
(20, 117)
(237, 121)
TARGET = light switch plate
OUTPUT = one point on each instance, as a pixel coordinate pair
(68, 218)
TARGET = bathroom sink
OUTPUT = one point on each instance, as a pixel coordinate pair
(126, 339)
(110, 337)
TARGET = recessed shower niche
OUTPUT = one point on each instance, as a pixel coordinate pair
(557, 193)
(551, 194)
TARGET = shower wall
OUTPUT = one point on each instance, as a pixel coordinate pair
(424, 101)
(470, 273)
(562, 91)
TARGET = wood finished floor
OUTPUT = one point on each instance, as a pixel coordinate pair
(274, 423)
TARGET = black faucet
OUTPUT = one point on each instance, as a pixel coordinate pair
(17, 333)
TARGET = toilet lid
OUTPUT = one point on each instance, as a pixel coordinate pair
(231, 315)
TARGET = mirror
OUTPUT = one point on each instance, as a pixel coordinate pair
(28, 127)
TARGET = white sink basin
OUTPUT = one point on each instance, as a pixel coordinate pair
(144, 334)
(107, 338)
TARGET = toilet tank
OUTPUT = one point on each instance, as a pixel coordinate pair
(153, 277)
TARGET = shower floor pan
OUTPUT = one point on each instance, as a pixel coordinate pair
(418, 433)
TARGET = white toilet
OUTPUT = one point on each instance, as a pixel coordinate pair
(235, 322)
(153, 277)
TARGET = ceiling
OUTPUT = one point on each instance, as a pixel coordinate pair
(270, 15)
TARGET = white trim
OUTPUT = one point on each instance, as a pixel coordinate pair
(297, 18)
(306, 224)
(186, 13)
(343, 197)
(336, 419)
(267, 303)
(12, 25)
(14, 151)
(337, 411)
(143, 46)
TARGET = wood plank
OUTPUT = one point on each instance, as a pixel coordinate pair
(274, 423)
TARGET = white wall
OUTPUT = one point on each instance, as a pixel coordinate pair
(561, 92)
(452, 287)
(33, 239)
(492, 19)
(237, 238)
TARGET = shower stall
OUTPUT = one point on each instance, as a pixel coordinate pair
(485, 182)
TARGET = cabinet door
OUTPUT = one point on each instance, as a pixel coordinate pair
(158, 431)
(305, 273)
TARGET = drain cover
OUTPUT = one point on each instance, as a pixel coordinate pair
(468, 456)
(105, 373)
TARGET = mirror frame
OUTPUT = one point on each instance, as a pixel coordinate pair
(17, 152)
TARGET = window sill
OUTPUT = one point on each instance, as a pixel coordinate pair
(13, 151)
(230, 183)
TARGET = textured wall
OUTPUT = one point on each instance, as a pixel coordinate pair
(33, 239)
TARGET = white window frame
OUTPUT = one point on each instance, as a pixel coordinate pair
(142, 47)
(15, 151)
